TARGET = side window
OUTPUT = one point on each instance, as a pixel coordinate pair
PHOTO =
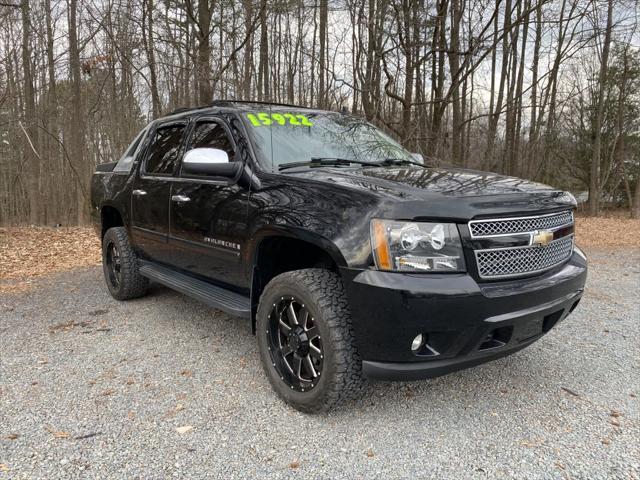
(125, 162)
(164, 150)
(212, 135)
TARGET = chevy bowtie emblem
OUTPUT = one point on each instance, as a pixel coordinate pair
(542, 238)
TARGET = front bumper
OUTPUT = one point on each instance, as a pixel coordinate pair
(466, 322)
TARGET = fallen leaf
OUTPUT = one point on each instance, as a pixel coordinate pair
(605, 441)
(130, 381)
(370, 453)
(107, 392)
(3, 467)
(185, 429)
(186, 373)
(58, 433)
(615, 414)
(179, 407)
(614, 422)
(598, 231)
(11, 436)
(538, 442)
(66, 326)
(37, 251)
(295, 464)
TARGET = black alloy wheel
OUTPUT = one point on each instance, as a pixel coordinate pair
(114, 266)
(306, 341)
(120, 266)
(295, 344)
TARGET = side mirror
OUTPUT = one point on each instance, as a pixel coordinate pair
(210, 162)
(418, 157)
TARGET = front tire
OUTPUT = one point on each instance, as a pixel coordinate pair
(120, 266)
(306, 341)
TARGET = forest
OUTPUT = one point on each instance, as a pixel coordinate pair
(547, 90)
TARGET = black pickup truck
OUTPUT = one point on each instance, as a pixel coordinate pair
(349, 256)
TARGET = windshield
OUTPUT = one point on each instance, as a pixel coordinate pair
(287, 136)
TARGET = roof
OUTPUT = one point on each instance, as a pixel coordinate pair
(235, 104)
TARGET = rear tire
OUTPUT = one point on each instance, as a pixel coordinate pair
(120, 266)
(306, 340)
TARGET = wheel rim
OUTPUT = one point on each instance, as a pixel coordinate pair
(113, 265)
(295, 345)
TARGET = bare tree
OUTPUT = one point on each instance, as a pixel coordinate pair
(544, 89)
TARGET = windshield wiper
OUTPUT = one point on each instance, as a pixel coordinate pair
(325, 162)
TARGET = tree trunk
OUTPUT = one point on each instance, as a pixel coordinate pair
(438, 78)
(248, 50)
(77, 129)
(489, 157)
(533, 131)
(322, 92)
(263, 66)
(205, 87)
(594, 177)
(31, 130)
(151, 58)
(454, 66)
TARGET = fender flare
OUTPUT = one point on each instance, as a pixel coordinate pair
(296, 233)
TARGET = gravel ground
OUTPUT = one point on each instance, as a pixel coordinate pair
(163, 387)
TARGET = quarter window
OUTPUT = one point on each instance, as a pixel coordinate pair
(125, 162)
(164, 150)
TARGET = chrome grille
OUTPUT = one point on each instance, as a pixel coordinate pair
(487, 228)
(504, 262)
(524, 257)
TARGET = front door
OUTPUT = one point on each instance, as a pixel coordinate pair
(209, 215)
(151, 191)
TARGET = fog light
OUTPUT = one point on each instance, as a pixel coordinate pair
(417, 343)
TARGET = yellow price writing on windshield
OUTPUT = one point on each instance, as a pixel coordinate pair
(264, 119)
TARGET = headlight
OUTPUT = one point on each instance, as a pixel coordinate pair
(416, 246)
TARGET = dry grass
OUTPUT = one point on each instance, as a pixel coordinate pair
(27, 253)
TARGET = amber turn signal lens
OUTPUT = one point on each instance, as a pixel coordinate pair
(380, 245)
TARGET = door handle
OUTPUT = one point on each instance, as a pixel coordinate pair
(180, 198)
(139, 193)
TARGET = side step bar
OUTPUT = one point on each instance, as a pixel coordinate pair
(214, 296)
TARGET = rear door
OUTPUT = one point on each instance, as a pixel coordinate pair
(152, 189)
(208, 214)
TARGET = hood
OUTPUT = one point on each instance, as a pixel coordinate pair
(456, 190)
(414, 181)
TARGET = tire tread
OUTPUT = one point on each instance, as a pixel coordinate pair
(328, 291)
(133, 284)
